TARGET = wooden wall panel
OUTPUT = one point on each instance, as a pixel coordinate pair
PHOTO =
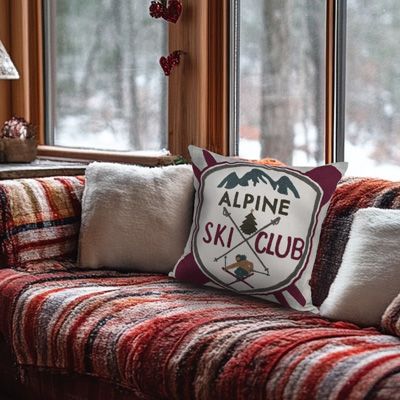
(20, 50)
(5, 85)
(21, 33)
(198, 87)
(188, 82)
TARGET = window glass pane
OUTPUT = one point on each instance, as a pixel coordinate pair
(109, 90)
(372, 132)
(282, 80)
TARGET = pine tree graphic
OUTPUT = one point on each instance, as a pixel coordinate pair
(249, 225)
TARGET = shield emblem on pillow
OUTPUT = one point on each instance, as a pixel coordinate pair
(254, 226)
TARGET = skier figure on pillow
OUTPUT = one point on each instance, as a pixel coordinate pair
(242, 267)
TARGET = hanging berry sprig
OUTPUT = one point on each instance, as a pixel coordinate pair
(169, 62)
(169, 10)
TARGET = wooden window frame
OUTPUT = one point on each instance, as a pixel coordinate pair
(330, 81)
(198, 110)
(335, 80)
(198, 106)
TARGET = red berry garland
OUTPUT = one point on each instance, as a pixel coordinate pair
(156, 9)
(173, 59)
(173, 11)
(170, 12)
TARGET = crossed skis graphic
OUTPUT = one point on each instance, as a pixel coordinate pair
(226, 213)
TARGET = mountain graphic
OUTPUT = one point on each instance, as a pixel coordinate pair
(283, 185)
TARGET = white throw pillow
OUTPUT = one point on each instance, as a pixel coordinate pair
(369, 277)
(135, 218)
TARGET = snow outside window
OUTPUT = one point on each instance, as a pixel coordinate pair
(106, 89)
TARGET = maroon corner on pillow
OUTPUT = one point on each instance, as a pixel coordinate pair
(39, 219)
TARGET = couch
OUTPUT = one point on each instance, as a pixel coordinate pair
(68, 333)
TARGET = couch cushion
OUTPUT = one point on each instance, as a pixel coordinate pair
(39, 219)
(351, 195)
(164, 339)
(256, 227)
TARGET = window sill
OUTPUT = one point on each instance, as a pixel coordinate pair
(80, 155)
(41, 168)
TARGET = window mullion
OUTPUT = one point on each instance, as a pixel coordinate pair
(340, 78)
(330, 81)
(335, 80)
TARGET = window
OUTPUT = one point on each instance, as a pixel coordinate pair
(372, 128)
(306, 64)
(282, 86)
(105, 88)
(336, 95)
(197, 108)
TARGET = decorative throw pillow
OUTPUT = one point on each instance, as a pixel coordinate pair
(369, 277)
(256, 227)
(39, 219)
(135, 218)
(391, 317)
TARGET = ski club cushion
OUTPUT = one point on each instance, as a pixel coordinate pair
(255, 227)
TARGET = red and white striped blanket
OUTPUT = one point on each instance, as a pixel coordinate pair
(163, 339)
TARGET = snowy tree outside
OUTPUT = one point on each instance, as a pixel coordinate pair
(282, 83)
(110, 92)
